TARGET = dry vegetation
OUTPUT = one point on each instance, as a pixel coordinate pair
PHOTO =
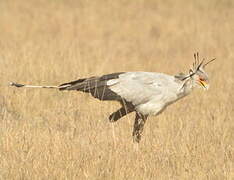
(46, 134)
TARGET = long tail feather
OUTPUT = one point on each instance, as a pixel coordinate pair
(32, 86)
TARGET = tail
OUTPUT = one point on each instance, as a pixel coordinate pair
(35, 86)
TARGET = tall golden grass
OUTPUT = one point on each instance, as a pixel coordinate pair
(47, 134)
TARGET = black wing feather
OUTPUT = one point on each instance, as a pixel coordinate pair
(97, 86)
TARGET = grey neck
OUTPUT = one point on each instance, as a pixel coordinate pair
(187, 87)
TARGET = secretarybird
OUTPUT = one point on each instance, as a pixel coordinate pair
(146, 93)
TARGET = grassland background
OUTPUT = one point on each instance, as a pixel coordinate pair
(46, 134)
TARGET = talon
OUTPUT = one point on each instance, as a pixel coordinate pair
(136, 138)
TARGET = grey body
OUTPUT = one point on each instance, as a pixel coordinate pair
(146, 93)
(149, 92)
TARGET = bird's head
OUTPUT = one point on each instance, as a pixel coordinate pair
(201, 78)
(197, 74)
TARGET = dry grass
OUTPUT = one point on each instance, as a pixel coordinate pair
(46, 134)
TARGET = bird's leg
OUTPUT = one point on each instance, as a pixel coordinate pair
(138, 127)
(118, 114)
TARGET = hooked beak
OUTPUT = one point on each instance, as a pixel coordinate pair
(204, 84)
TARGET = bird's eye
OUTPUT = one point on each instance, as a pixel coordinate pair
(201, 79)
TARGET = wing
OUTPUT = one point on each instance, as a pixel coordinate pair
(97, 86)
(140, 87)
(134, 87)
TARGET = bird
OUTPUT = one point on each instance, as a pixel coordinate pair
(145, 93)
